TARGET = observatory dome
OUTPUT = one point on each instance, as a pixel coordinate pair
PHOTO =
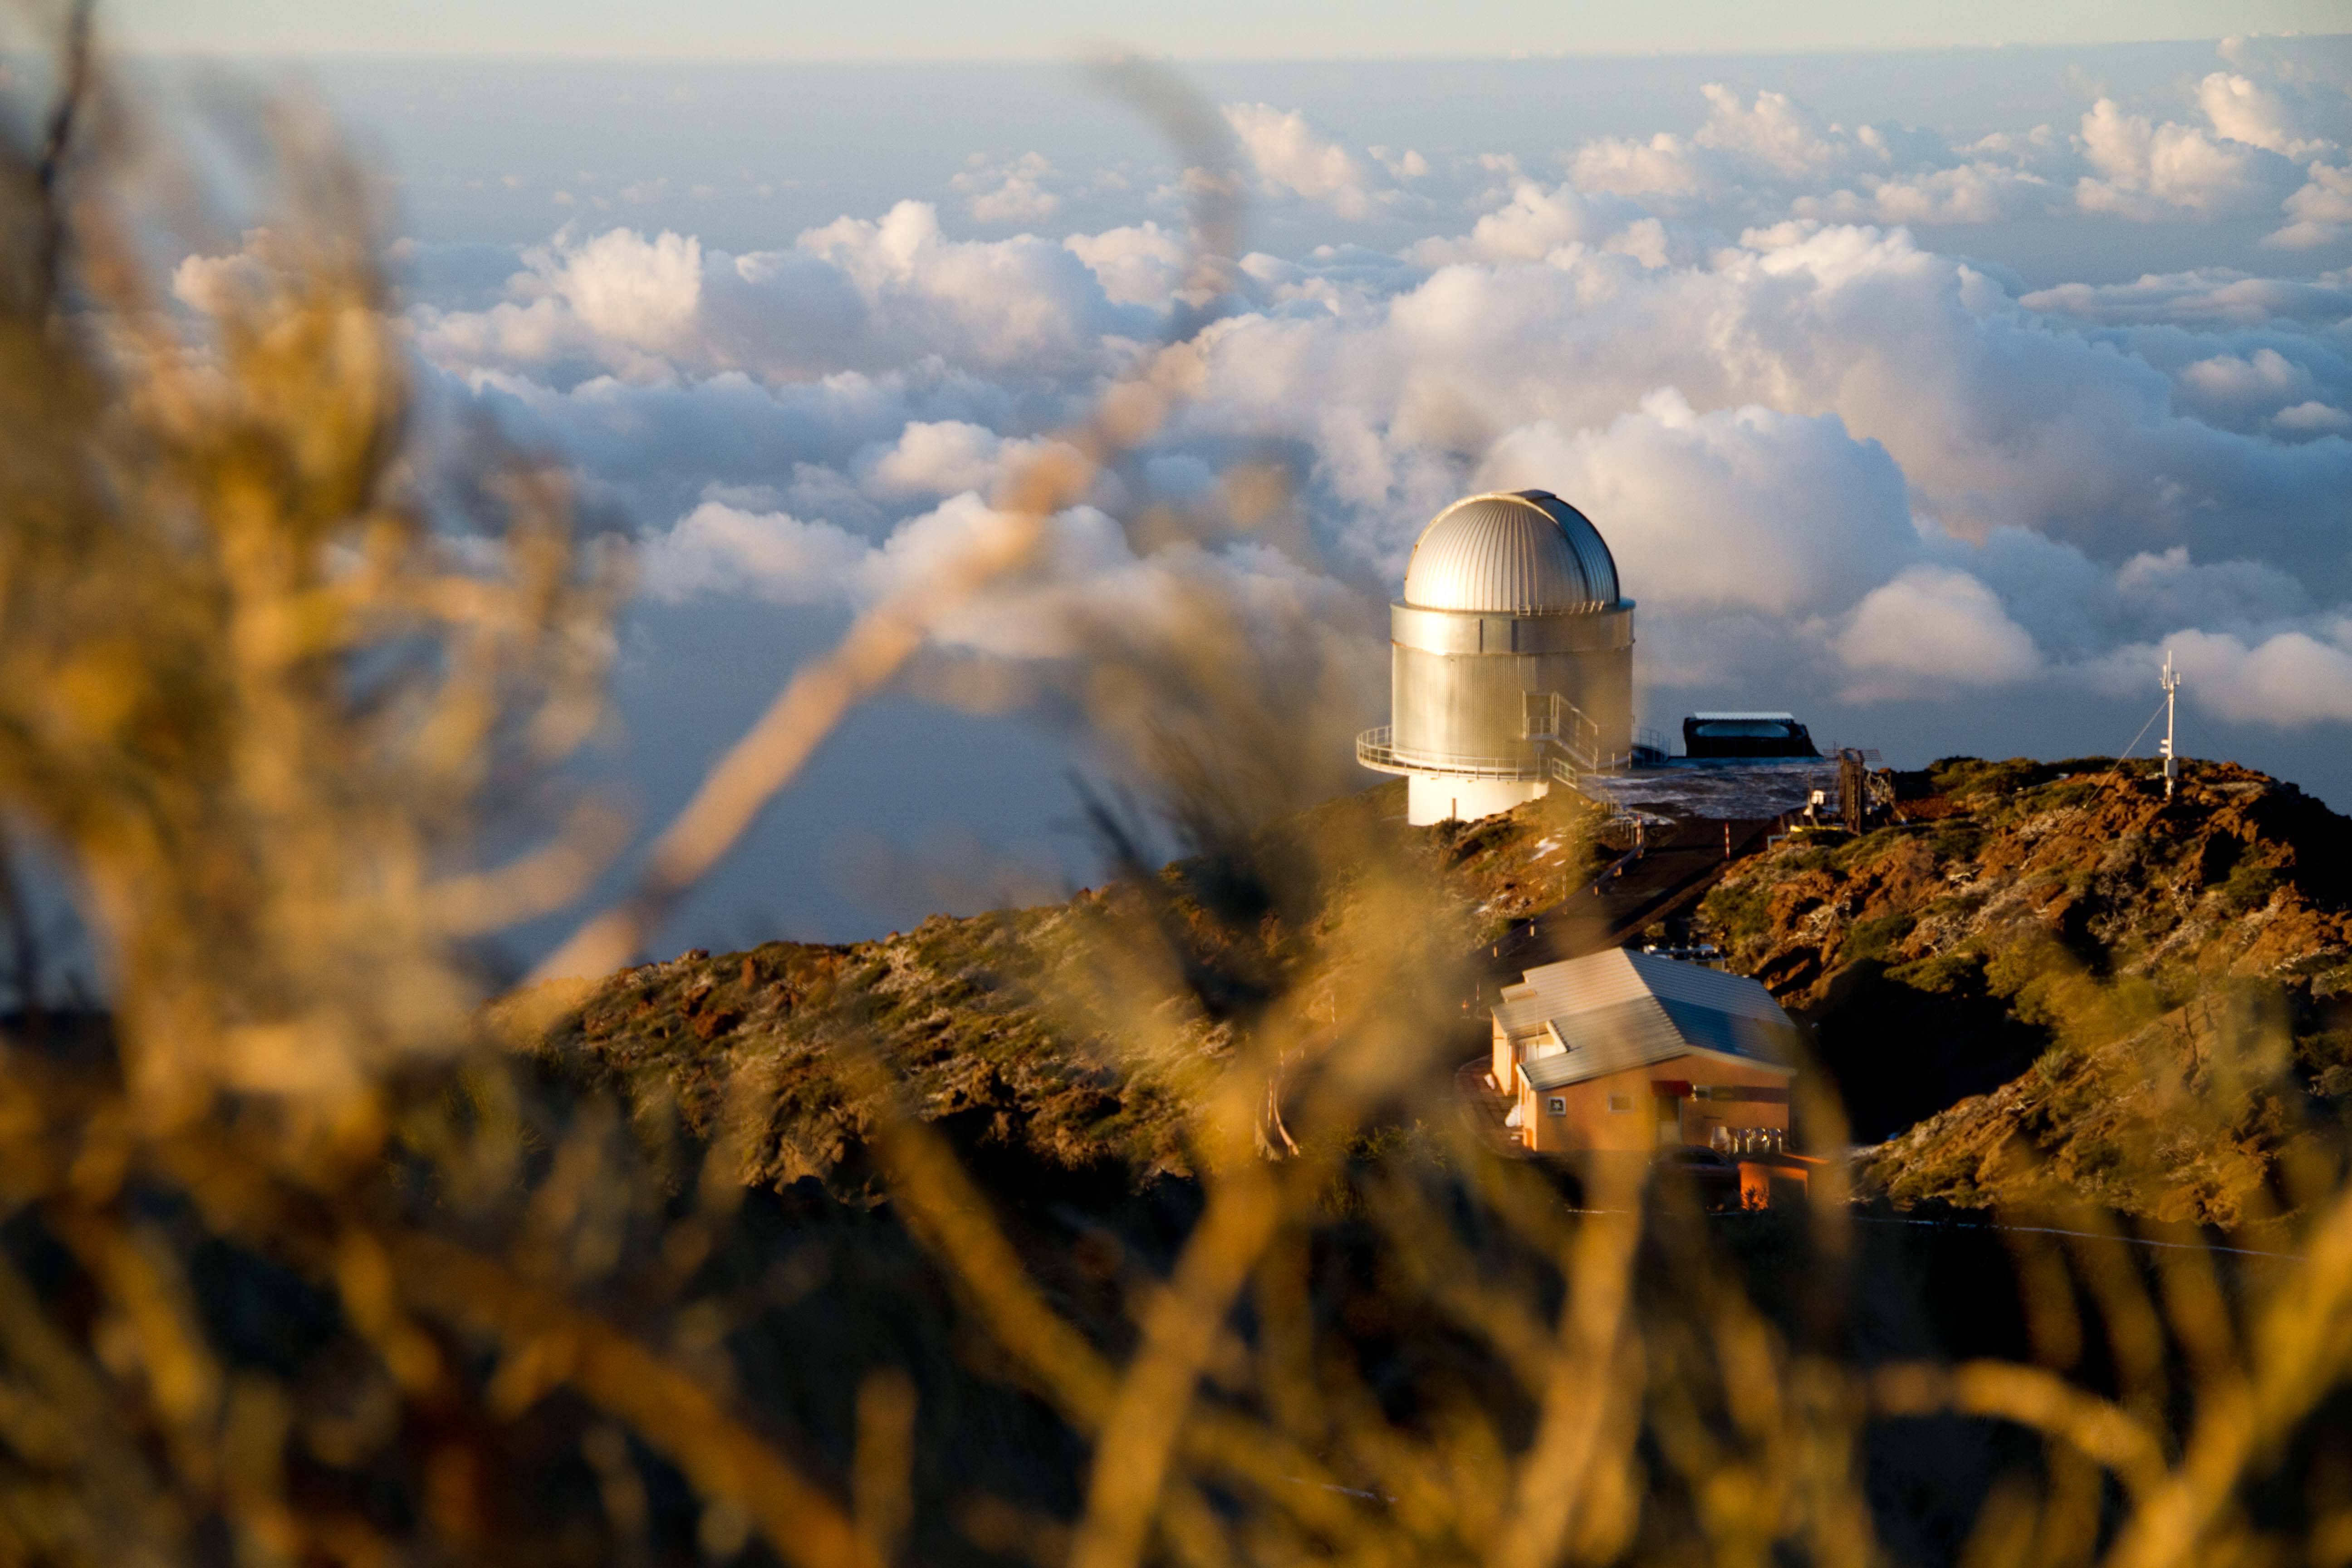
(1510, 659)
(1514, 553)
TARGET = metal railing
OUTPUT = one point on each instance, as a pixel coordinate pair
(1564, 745)
(1377, 749)
(1547, 716)
(1573, 765)
(1553, 721)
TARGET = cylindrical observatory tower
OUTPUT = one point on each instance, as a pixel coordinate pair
(1511, 659)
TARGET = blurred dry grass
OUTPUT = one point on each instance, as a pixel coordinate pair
(301, 1264)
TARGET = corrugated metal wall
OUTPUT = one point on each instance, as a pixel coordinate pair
(1454, 631)
(1474, 705)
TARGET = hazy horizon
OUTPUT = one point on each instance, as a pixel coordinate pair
(1212, 30)
(1080, 51)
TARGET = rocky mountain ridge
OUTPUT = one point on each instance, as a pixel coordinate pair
(989, 1022)
(2053, 984)
(2044, 981)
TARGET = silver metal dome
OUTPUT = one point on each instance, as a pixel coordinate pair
(1515, 553)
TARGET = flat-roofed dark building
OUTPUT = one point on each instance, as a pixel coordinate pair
(1747, 735)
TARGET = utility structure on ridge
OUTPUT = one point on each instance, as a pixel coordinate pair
(2171, 759)
(1511, 659)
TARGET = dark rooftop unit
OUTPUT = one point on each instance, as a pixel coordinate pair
(1745, 735)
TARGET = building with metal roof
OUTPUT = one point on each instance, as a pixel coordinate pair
(1624, 1050)
(1511, 662)
(1747, 735)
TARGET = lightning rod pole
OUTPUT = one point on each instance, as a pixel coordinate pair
(2171, 763)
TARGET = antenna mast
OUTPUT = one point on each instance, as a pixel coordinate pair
(2171, 681)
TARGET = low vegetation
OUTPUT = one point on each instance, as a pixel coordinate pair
(2057, 985)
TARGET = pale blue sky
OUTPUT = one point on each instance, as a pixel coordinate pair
(1203, 30)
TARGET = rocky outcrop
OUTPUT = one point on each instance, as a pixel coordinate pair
(2052, 981)
(2181, 1120)
(998, 1026)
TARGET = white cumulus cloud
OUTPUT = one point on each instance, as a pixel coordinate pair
(1831, 456)
(622, 285)
(1295, 156)
(2290, 680)
(721, 549)
(2321, 210)
(1933, 629)
(1010, 192)
(2146, 170)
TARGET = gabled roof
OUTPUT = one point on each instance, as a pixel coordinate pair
(1591, 1016)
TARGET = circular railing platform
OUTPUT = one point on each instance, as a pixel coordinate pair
(1377, 749)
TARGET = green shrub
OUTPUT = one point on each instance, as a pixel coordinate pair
(1739, 910)
(1957, 840)
(2066, 796)
(1862, 851)
(1947, 975)
(1873, 938)
(2018, 962)
(1963, 777)
(2249, 886)
(2051, 1066)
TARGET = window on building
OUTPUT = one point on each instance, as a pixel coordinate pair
(1621, 1102)
(1557, 1105)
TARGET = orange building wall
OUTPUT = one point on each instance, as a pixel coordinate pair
(1589, 1124)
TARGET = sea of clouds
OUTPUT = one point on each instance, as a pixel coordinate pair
(1836, 464)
